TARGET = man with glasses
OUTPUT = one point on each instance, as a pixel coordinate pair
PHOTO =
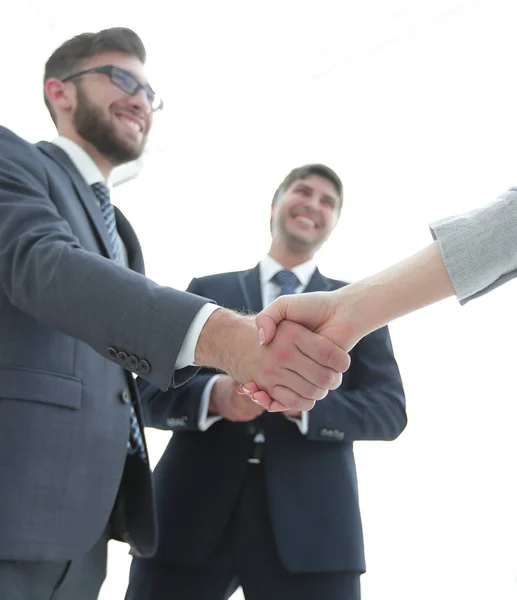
(78, 318)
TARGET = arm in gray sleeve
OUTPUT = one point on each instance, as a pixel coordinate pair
(479, 248)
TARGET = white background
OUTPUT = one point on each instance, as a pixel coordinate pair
(413, 104)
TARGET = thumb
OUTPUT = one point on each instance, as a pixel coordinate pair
(269, 318)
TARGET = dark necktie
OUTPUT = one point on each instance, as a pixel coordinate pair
(287, 281)
(102, 193)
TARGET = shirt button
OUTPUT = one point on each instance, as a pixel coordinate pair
(125, 396)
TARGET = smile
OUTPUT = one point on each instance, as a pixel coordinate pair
(305, 220)
(131, 123)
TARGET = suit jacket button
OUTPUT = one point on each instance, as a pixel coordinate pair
(125, 396)
(132, 362)
(112, 353)
(143, 368)
(122, 358)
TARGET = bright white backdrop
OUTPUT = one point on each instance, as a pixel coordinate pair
(412, 102)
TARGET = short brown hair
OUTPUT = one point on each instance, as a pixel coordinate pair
(306, 171)
(70, 56)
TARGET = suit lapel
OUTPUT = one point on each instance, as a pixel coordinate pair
(84, 192)
(318, 283)
(251, 289)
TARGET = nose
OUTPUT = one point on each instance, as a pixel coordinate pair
(312, 204)
(140, 102)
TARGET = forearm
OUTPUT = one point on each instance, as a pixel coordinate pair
(224, 339)
(418, 281)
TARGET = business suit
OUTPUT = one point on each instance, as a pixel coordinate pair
(73, 325)
(314, 473)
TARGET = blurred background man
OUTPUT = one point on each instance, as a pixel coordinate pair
(269, 501)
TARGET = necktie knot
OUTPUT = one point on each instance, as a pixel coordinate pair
(287, 281)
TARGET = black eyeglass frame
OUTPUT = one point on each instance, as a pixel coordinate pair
(111, 71)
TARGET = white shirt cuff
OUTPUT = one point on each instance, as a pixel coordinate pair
(187, 354)
(204, 421)
(302, 423)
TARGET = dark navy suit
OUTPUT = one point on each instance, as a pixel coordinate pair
(310, 484)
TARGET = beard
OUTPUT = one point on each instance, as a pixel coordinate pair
(101, 133)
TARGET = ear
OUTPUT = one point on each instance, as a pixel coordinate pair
(336, 221)
(60, 95)
(274, 207)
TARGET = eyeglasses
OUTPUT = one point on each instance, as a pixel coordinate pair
(125, 81)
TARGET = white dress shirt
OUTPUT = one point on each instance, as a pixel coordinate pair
(92, 174)
(270, 290)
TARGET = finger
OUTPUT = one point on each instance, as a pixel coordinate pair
(247, 389)
(298, 376)
(322, 350)
(263, 399)
(285, 399)
(277, 407)
(269, 318)
(293, 368)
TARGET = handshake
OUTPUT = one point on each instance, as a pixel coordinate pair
(288, 356)
(295, 350)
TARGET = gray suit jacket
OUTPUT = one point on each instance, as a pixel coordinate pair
(73, 324)
(480, 247)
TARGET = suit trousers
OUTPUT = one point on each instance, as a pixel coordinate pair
(78, 579)
(246, 555)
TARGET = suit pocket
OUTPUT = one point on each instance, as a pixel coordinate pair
(43, 387)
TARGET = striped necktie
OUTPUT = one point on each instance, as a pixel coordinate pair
(102, 193)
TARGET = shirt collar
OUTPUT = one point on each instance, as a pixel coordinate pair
(81, 159)
(269, 267)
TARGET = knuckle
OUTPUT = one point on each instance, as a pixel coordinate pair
(326, 378)
(313, 392)
(322, 393)
(336, 381)
(327, 353)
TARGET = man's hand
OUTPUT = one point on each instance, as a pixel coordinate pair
(226, 401)
(297, 368)
(326, 313)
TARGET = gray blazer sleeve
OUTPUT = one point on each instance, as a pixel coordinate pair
(479, 248)
(45, 273)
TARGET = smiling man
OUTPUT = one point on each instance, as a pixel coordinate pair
(78, 318)
(283, 519)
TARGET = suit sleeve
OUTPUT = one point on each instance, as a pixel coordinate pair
(46, 273)
(479, 248)
(176, 409)
(370, 404)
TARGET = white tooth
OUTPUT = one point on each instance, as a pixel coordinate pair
(305, 219)
(132, 124)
